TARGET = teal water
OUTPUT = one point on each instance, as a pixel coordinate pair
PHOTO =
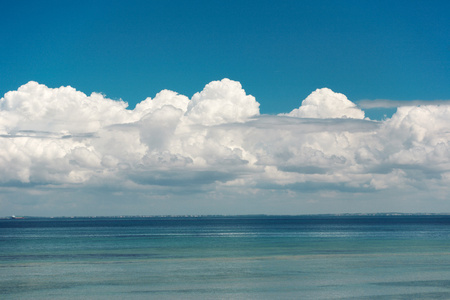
(304, 257)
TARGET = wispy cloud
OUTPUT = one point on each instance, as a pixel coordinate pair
(385, 103)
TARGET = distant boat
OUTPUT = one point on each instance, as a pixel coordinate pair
(16, 218)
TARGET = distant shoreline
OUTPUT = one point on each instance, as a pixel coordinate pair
(390, 214)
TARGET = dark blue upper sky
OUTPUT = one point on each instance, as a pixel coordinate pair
(279, 51)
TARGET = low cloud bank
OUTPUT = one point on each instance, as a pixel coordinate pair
(218, 141)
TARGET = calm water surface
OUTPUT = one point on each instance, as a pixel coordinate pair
(258, 257)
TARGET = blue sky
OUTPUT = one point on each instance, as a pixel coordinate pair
(280, 52)
(235, 107)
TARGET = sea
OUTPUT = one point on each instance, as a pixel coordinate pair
(382, 256)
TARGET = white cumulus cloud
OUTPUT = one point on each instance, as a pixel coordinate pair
(217, 145)
(222, 102)
(36, 107)
(324, 103)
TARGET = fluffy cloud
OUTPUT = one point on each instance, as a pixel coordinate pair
(324, 103)
(218, 143)
(222, 102)
(36, 107)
